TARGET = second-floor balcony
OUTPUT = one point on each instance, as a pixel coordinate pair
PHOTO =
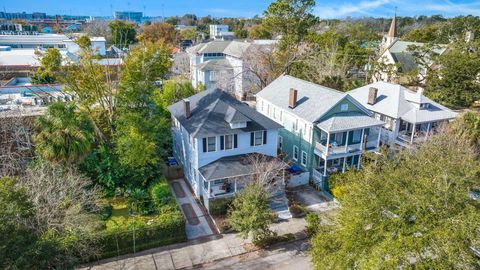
(349, 142)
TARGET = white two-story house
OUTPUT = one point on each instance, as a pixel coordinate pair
(213, 133)
(219, 64)
(409, 116)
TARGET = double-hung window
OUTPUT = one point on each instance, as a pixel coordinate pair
(295, 152)
(210, 144)
(258, 138)
(228, 142)
(304, 159)
(357, 136)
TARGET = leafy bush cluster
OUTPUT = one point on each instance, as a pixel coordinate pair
(219, 207)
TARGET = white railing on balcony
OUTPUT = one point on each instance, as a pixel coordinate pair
(317, 175)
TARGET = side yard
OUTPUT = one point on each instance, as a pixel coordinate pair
(135, 224)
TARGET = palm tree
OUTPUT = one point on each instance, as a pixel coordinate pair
(65, 135)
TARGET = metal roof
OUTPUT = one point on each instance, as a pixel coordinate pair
(396, 101)
(313, 100)
(348, 121)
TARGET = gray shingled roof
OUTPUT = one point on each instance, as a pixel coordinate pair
(313, 100)
(208, 112)
(348, 121)
(215, 64)
(234, 116)
(228, 167)
(233, 48)
(399, 102)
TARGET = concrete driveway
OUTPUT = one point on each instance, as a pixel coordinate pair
(316, 201)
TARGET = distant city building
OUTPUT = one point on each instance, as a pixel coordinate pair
(221, 32)
(133, 16)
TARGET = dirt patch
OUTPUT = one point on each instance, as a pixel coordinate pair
(190, 214)
(177, 188)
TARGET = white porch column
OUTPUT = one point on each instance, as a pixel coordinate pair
(235, 185)
(359, 159)
(413, 134)
(325, 168)
(362, 141)
(379, 133)
(428, 130)
(328, 142)
(344, 163)
(208, 191)
(346, 142)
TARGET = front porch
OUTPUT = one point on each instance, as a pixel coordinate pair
(325, 167)
(410, 134)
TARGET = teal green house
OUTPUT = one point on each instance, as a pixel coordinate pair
(324, 131)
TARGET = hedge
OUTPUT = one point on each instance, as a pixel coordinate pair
(169, 231)
(219, 207)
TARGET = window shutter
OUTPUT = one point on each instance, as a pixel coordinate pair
(222, 142)
(252, 134)
(264, 137)
(235, 141)
(204, 145)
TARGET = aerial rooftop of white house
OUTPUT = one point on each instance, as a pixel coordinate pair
(233, 48)
(313, 100)
(396, 101)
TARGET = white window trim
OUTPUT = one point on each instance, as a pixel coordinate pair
(255, 138)
(225, 142)
(306, 158)
(208, 150)
(293, 154)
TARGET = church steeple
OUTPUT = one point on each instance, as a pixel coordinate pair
(391, 36)
(393, 26)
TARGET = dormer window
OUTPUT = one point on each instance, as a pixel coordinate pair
(238, 125)
(424, 106)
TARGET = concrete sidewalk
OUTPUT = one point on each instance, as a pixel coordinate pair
(196, 253)
(197, 223)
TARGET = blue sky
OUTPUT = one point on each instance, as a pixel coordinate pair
(246, 8)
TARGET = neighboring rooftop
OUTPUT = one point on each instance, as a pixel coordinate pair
(232, 48)
(313, 100)
(348, 121)
(209, 111)
(215, 64)
(397, 101)
(400, 53)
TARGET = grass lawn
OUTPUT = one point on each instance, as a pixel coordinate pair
(122, 218)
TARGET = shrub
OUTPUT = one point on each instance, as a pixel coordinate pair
(219, 207)
(160, 193)
(106, 211)
(139, 202)
(296, 210)
(273, 238)
(313, 222)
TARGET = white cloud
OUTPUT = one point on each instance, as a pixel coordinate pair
(343, 10)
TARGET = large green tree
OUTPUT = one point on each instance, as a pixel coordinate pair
(50, 66)
(454, 79)
(65, 135)
(142, 128)
(411, 211)
(123, 33)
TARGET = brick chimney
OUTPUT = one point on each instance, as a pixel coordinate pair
(186, 108)
(292, 98)
(372, 95)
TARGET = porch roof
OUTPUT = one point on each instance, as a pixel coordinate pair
(228, 167)
(348, 121)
